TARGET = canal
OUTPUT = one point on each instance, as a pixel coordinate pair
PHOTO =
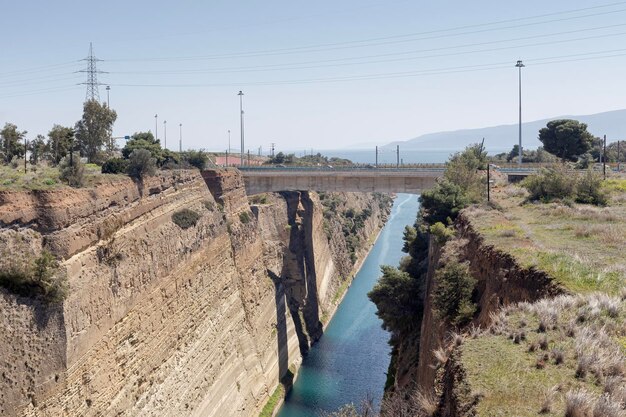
(349, 362)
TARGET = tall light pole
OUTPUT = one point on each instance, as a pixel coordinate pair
(180, 138)
(164, 134)
(156, 127)
(520, 65)
(240, 94)
(108, 102)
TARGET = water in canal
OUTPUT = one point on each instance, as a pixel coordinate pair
(350, 360)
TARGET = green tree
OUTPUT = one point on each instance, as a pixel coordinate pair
(397, 298)
(60, 141)
(93, 130)
(567, 139)
(141, 164)
(38, 149)
(72, 170)
(197, 159)
(143, 140)
(452, 296)
(10, 139)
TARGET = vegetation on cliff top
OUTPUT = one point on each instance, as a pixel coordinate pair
(33, 276)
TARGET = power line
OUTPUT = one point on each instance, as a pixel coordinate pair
(379, 76)
(292, 66)
(350, 44)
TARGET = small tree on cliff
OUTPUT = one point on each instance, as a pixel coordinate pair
(141, 164)
(395, 297)
(567, 139)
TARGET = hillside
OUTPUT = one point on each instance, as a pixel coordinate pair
(501, 138)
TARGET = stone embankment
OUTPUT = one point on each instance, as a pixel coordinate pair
(162, 320)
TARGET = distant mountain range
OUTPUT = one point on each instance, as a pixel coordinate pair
(502, 138)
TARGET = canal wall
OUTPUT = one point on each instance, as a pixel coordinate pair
(159, 319)
(424, 360)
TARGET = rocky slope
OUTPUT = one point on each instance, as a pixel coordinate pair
(163, 320)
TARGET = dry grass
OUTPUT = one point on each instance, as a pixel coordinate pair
(575, 342)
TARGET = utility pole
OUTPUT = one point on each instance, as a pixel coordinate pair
(240, 94)
(273, 145)
(376, 156)
(180, 140)
(164, 134)
(397, 156)
(108, 102)
(156, 127)
(618, 157)
(25, 149)
(604, 158)
(248, 157)
(488, 181)
(520, 65)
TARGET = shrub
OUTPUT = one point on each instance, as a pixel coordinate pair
(208, 204)
(441, 233)
(36, 277)
(551, 184)
(589, 189)
(244, 217)
(115, 166)
(197, 159)
(453, 293)
(72, 170)
(15, 162)
(185, 218)
(141, 164)
(443, 202)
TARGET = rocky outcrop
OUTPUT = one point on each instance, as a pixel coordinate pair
(163, 320)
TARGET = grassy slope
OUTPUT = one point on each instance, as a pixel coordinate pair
(46, 178)
(582, 247)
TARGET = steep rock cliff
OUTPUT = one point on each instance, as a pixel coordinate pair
(159, 319)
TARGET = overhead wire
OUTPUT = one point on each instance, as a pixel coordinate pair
(292, 66)
(349, 44)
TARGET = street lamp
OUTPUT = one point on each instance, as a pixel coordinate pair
(156, 127)
(240, 94)
(108, 102)
(164, 134)
(180, 140)
(228, 152)
(520, 65)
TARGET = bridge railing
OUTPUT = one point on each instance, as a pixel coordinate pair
(434, 167)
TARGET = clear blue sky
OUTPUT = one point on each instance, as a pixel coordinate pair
(187, 60)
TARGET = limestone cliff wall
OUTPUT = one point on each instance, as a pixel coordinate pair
(160, 320)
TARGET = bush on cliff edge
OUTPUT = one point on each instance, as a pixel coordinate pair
(35, 277)
(452, 295)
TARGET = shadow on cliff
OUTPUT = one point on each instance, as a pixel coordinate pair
(285, 376)
(299, 270)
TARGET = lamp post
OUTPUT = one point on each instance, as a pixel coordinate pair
(164, 134)
(520, 65)
(240, 94)
(228, 152)
(108, 102)
(156, 127)
(180, 139)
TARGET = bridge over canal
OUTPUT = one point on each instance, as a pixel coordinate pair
(351, 179)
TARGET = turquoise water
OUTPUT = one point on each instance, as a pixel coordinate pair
(350, 360)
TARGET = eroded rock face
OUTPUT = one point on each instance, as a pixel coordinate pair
(161, 320)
